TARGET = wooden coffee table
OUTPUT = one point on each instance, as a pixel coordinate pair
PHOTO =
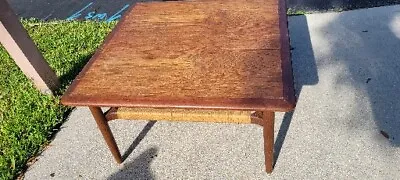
(212, 61)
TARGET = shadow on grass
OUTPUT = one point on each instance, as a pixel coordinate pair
(68, 77)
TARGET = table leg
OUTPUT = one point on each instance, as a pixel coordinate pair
(105, 130)
(269, 118)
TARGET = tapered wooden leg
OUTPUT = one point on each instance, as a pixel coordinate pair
(269, 118)
(102, 124)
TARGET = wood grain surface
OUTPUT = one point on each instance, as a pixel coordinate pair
(221, 54)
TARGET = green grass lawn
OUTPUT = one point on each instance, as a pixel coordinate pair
(27, 117)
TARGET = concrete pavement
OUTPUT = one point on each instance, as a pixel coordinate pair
(346, 71)
(318, 5)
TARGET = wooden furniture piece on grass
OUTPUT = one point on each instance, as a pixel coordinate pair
(212, 61)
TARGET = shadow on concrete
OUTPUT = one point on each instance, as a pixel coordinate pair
(138, 139)
(287, 119)
(325, 5)
(139, 168)
(367, 48)
(304, 70)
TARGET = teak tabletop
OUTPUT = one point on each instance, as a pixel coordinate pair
(217, 54)
(202, 60)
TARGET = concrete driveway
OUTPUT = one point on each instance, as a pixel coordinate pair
(346, 68)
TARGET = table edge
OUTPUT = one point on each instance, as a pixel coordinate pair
(287, 71)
